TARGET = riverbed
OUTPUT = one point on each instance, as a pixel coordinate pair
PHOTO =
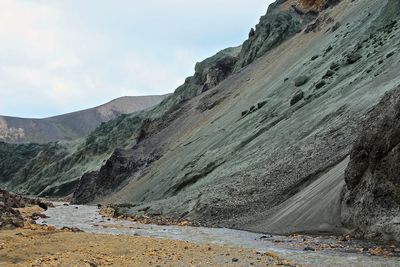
(309, 251)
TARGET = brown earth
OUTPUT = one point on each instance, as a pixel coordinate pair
(49, 247)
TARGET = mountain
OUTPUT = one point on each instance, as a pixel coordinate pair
(73, 125)
(279, 135)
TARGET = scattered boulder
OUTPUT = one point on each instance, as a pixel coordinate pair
(261, 104)
(329, 49)
(390, 54)
(314, 57)
(43, 205)
(297, 97)
(36, 216)
(301, 80)
(335, 66)
(353, 58)
(336, 26)
(10, 218)
(309, 249)
(320, 84)
(329, 73)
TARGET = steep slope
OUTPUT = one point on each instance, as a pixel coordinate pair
(73, 125)
(232, 155)
(55, 168)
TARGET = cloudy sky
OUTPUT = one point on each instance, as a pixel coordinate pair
(58, 56)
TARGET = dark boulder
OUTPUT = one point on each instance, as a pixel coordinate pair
(353, 58)
(320, 84)
(336, 26)
(301, 80)
(43, 205)
(328, 74)
(297, 97)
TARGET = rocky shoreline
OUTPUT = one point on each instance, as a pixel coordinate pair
(17, 210)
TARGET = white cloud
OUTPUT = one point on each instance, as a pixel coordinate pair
(60, 56)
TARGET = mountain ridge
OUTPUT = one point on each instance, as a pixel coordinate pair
(71, 125)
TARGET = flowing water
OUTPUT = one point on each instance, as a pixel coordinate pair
(87, 218)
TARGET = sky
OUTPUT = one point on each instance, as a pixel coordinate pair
(59, 56)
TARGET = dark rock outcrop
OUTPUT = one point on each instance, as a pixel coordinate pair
(219, 72)
(9, 217)
(371, 200)
(111, 175)
(278, 25)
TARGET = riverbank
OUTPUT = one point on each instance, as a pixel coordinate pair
(25, 247)
(73, 235)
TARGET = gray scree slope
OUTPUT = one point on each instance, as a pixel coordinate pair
(237, 154)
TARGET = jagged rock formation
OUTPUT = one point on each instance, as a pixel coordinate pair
(71, 126)
(371, 204)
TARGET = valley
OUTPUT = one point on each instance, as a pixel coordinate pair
(293, 135)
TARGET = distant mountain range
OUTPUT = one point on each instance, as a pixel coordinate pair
(72, 125)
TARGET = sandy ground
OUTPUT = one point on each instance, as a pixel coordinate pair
(49, 247)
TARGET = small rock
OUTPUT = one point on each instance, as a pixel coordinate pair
(328, 49)
(309, 249)
(235, 260)
(314, 57)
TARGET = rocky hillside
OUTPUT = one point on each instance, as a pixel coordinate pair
(258, 138)
(71, 126)
(371, 202)
(55, 169)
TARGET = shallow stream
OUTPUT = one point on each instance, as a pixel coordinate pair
(87, 218)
